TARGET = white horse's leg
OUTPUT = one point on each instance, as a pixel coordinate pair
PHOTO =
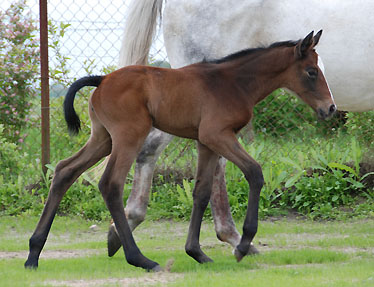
(136, 206)
(223, 221)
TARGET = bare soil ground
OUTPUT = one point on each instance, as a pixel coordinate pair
(147, 280)
(52, 254)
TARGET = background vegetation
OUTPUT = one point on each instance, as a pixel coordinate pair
(317, 169)
(19, 59)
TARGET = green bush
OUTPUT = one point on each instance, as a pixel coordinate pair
(171, 200)
(313, 178)
(10, 164)
(19, 66)
(14, 197)
(361, 125)
(322, 191)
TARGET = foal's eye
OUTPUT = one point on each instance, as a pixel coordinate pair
(312, 73)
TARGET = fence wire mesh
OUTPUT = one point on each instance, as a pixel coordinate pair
(85, 38)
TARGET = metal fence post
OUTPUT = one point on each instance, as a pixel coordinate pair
(44, 83)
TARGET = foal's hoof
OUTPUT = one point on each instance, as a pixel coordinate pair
(239, 253)
(252, 250)
(205, 259)
(29, 264)
(157, 268)
(114, 242)
(198, 255)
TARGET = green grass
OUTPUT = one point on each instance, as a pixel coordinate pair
(293, 253)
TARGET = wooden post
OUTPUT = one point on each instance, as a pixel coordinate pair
(44, 83)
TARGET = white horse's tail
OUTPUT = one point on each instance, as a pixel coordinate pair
(140, 28)
(139, 31)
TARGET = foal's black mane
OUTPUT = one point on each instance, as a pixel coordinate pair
(250, 51)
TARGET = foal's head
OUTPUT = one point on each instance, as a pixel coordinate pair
(306, 79)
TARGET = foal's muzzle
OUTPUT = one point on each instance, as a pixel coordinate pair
(325, 115)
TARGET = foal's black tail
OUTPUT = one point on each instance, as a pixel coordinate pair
(71, 117)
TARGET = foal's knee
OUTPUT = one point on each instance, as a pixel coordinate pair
(63, 174)
(109, 189)
(254, 176)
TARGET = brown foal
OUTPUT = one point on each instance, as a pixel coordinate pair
(209, 102)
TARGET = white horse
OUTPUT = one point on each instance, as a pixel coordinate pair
(197, 29)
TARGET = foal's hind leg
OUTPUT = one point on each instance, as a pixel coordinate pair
(207, 163)
(66, 172)
(136, 206)
(125, 147)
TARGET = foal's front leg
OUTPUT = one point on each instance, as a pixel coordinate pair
(219, 203)
(207, 162)
(226, 144)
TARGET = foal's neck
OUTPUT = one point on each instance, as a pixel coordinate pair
(259, 75)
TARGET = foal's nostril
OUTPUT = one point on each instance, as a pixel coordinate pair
(332, 109)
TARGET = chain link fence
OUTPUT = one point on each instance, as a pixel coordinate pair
(85, 38)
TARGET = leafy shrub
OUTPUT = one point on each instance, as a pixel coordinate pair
(19, 64)
(362, 126)
(328, 184)
(9, 164)
(324, 190)
(14, 198)
(313, 178)
(171, 200)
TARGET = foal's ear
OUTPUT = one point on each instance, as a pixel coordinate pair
(316, 38)
(304, 45)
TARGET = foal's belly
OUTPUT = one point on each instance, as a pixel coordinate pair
(184, 131)
(176, 114)
(179, 122)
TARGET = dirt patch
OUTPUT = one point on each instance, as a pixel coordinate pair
(52, 254)
(349, 250)
(352, 250)
(148, 280)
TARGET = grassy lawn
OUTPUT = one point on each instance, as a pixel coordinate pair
(293, 253)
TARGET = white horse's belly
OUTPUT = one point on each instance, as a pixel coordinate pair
(197, 29)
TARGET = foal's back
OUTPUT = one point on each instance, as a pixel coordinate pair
(175, 100)
(171, 98)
